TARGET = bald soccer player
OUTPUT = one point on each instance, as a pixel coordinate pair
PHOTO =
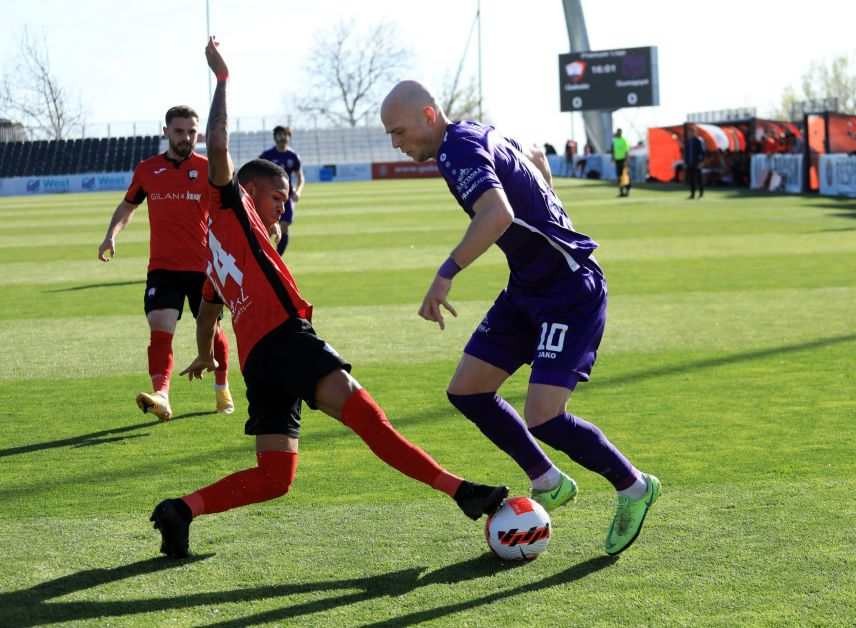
(551, 314)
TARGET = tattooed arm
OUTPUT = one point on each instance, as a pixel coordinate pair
(220, 167)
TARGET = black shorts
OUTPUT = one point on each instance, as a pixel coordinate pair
(166, 289)
(282, 370)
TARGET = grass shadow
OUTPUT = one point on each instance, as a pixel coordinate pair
(648, 373)
(95, 438)
(32, 606)
(569, 575)
(91, 286)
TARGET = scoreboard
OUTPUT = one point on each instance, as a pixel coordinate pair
(608, 79)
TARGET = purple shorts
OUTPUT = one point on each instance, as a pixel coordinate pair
(557, 333)
(288, 214)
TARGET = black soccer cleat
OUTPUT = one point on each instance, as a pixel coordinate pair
(478, 499)
(172, 517)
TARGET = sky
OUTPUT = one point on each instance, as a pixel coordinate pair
(129, 61)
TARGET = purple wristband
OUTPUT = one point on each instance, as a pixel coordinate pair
(449, 268)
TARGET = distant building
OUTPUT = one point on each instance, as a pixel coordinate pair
(12, 131)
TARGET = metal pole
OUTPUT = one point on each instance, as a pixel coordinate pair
(478, 19)
(208, 31)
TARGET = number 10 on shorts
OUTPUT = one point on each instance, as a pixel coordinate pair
(552, 337)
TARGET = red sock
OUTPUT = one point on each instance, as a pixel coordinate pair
(366, 418)
(271, 478)
(160, 360)
(221, 354)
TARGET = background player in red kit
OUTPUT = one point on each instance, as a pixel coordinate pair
(282, 359)
(175, 186)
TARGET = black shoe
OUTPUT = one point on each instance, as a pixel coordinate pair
(172, 517)
(691, 197)
(478, 499)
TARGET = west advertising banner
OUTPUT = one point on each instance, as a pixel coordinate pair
(60, 184)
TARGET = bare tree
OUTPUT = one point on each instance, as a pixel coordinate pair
(32, 93)
(348, 68)
(835, 80)
(460, 99)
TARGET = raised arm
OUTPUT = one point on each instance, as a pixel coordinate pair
(220, 168)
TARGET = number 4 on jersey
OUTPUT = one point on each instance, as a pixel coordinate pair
(223, 262)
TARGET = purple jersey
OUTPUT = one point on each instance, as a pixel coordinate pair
(541, 245)
(289, 161)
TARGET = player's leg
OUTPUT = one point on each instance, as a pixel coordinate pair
(691, 179)
(222, 395)
(284, 223)
(567, 351)
(162, 304)
(275, 422)
(497, 348)
(340, 396)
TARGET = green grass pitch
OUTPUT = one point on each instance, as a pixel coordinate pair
(727, 369)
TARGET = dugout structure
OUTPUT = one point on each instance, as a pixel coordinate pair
(729, 146)
(828, 133)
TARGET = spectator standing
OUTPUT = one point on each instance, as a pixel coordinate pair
(620, 149)
(693, 158)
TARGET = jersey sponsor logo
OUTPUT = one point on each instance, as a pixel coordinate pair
(175, 196)
(468, 179)
(466, 192)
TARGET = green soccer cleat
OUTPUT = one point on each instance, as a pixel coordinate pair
(629, 517)
(557, 496)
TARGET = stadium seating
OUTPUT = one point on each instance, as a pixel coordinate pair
(320, 146)
(59, 157)
(121, 154)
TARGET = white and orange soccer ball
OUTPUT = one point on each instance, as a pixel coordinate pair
(519, 530)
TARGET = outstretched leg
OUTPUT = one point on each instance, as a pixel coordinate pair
(341, 396)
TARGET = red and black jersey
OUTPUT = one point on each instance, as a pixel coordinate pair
(246, 271)
(177, 196)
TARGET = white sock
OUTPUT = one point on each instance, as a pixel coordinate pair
(637, 489)
(547, 480)
(221, 386)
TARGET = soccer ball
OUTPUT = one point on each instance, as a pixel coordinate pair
(519, 530)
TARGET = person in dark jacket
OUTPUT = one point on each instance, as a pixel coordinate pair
(693, 158)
